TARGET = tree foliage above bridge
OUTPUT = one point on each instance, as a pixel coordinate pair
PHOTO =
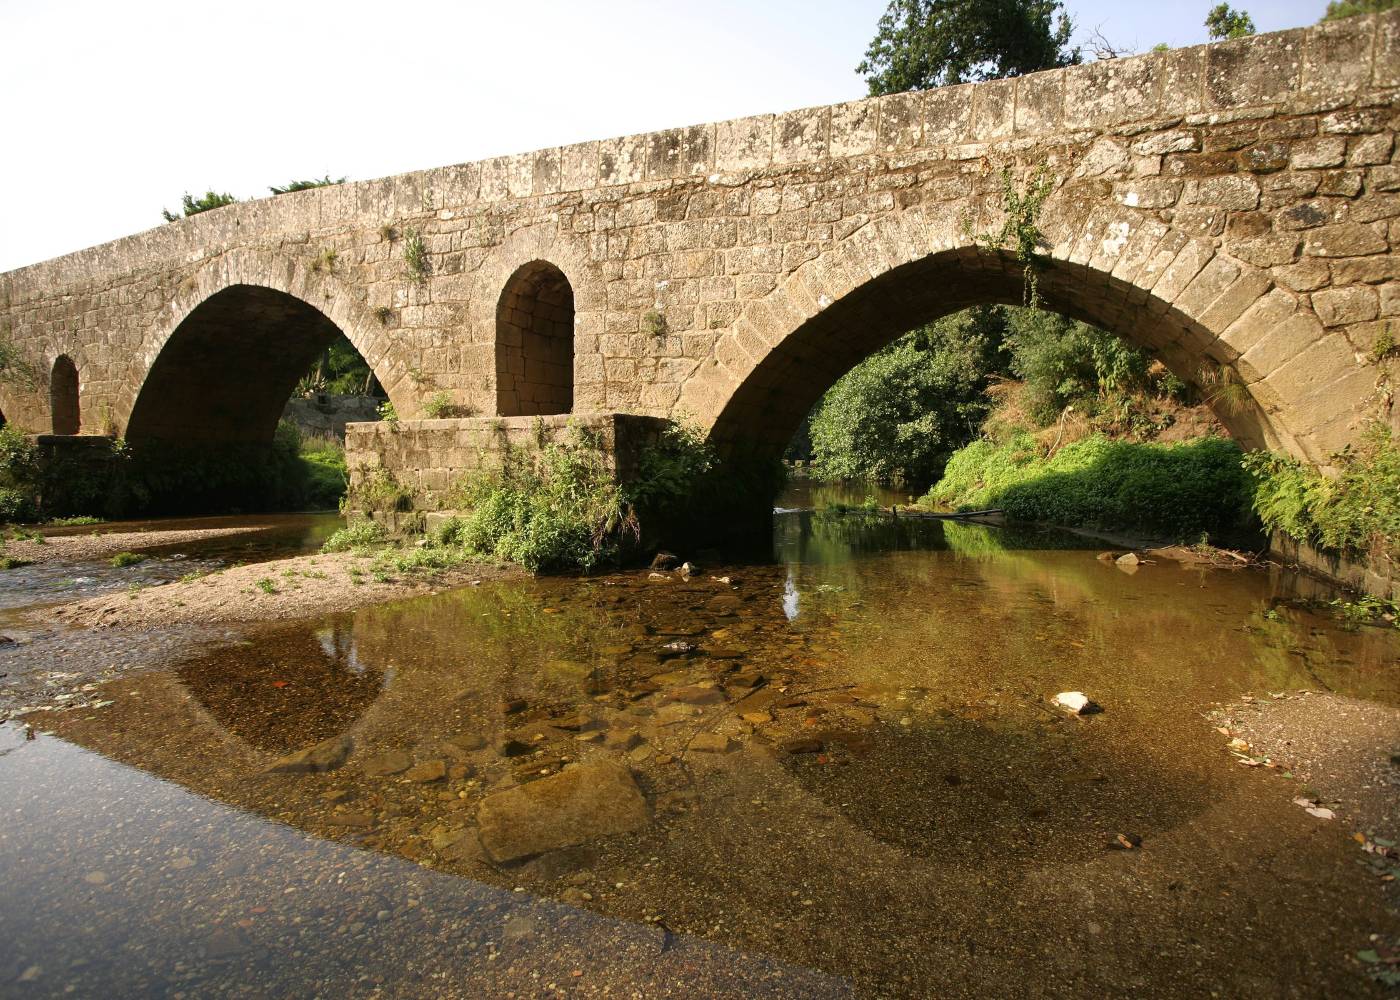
(1224, 22)
(930, 43)
(190, 205)
(1338, 9)
(315, 182)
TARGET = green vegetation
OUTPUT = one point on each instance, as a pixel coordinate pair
(74, 522)
(1355, 512)
(417, 263)
(387, 413)
(340, 370)
(654, 323)
(124, 559)
(1182, 489)
(554, 507)
(19, 476)
(360, 535)
(315, 182)
(1020, 231)
(191, 205)
(1338, 9)
(15, 369)
(439, 404)
(898, 415)
(266, 585)
(559, 509)
(930, 43)
(378, 492)
(1224, 22)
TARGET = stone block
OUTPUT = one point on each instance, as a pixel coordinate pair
(744, 144)
(1340, 306)
(1343, 240)
(1326, 151)
(1338, 56)
(1110, 91)
(800, 135)
(948, 115)
(1258, 70)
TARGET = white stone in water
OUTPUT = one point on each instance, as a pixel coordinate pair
(1076, 703)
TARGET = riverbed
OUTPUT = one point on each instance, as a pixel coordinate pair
(838, 772)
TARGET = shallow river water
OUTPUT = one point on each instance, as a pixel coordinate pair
(837, 773)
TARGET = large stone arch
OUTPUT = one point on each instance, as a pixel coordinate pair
(1123, 270)
(194, 378)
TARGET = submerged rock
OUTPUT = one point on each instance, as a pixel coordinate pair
(381, 765)
(1076, 703)
(586, 801)
(324, 756)
(428, 771)
(710, 743)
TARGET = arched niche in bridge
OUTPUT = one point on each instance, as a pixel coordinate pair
(63, 396)
(766, 407)
(226, 372)
(535, 343)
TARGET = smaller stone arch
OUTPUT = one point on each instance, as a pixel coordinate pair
(535, 342)
(64, 408)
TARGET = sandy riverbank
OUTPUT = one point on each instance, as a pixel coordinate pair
(100, 544)
(298, 587)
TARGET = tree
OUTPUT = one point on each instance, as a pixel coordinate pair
(930, 43)
(1339, 9)
(193, 206)
(1225, 22)
(315, 182)
(898, 415)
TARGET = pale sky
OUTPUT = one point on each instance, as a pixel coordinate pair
(113, 110)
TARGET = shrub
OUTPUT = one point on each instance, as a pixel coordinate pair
(124, 559)
(19, 476)
(354, 536)
(439, 404)
(1357, 512)
(1177, 489)
(560, 511)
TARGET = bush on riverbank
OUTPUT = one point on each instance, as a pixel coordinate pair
(554, 509)
(19, 476)
(1357, 512)
(1178, 489)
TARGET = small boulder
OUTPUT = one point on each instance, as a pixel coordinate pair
(589, 800)
(1128, 559)
(689, 569)
(1076, 703)
(677, 648)
(381, 765)
(426, 772)
(664, 560)
(324, 756)
(710, 743)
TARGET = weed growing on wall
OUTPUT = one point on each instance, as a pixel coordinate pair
(1356, 512)
(417, 263)
(1020, 232)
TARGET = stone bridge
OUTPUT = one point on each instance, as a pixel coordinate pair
(1230, 207)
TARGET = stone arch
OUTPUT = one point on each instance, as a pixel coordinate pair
(235, 339)
(535, 342)
(64, 409)
(1122, 270)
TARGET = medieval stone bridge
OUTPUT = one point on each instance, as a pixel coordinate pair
(1234, 205)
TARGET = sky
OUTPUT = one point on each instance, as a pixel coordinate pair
(114, 110)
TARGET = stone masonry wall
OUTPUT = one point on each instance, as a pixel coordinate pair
(428, 457)
(1231, 205)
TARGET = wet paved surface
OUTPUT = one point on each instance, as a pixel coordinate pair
(850, 777)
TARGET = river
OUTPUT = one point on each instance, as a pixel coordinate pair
(836, 773)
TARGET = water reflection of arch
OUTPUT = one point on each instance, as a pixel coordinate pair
(288, 689)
